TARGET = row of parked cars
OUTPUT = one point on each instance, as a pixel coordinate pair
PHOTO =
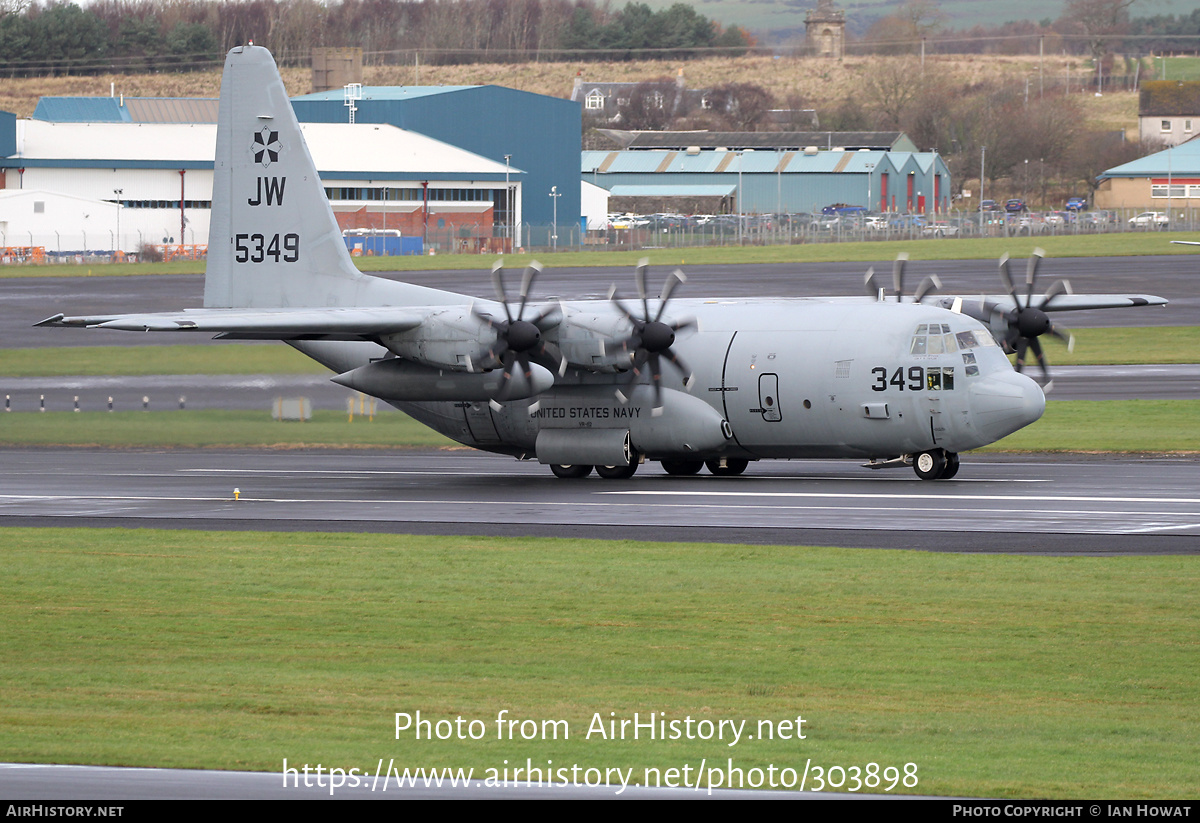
(856, 219)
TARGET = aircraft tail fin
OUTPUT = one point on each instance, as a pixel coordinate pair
(273, 239)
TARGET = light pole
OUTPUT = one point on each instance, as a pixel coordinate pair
(118, 193)
(508, 204)
(554, 195)
(740, 211)
(982, 155)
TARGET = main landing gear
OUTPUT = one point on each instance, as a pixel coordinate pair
(575, 472)
(935, 464)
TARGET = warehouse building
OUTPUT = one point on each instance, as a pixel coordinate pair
(757, 181)
(380, 179)
(1165, 179)
(540, 135)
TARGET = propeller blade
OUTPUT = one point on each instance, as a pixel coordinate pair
(621, 307)
(1056, 288)
(1006, 279)
(554, 353)
(1031, 274)
(531, 272)
(898, 275)
(1065, 336)
(1022, 347)
(498, 285)
(685, 323)
(1036, 347)
(554, 314)
(869, 283)
(639, 276)
(927, 285)
(689, 377)
(656, 380)
(673, 279)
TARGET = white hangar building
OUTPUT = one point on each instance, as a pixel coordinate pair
(118, 185)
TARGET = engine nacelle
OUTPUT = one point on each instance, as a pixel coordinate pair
(397, 379)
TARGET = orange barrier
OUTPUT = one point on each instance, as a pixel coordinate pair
(22, 254)
(183, 251)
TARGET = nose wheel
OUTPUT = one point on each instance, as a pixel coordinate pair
(935, 464)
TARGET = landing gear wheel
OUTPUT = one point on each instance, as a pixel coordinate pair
(930, 465)
(951, 466)
(570, 472)
(732, 467)
(682, 468)
(617, 472)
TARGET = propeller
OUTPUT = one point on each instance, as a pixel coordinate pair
(1024, 324)
(652, 337)
(927, 285)
(518, 339)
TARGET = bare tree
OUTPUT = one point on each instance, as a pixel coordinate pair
(650, 105)
(742, 106)
(1098, 20)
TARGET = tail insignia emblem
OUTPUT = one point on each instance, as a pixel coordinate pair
(266, 147)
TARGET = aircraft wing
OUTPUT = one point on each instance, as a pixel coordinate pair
(1062, 302)
(270, 324)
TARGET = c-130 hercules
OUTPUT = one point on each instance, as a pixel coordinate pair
(605, 384)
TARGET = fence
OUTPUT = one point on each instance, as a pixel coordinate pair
(676, 231)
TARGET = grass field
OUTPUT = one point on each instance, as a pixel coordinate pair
(1177, 68)
(997, 676)
(982, 248)
(1067, 426)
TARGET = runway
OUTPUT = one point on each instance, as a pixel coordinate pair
(998, 503)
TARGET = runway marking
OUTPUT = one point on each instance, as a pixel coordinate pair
(912, 496)
(1164, 528)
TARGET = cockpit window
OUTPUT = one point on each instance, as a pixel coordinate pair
(974, 338)
(933, 338)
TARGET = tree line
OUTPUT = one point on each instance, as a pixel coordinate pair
(176, 35)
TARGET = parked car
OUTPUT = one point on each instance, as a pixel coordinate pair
(940, 228)
(878, 222)
(1076, 203)
(1015, 206)
(1028, 224)
(1150, 219)
(989, 205)
(904, 221)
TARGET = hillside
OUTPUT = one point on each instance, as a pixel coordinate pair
(821, 84)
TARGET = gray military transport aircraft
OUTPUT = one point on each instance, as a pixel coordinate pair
(578, 385)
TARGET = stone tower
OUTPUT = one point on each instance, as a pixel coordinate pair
(825, 30)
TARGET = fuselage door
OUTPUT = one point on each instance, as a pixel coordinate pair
(768, 398)
(479, 420)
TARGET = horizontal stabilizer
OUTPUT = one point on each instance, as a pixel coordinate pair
(278, 324)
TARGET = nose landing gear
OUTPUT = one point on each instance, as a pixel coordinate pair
(935, 464)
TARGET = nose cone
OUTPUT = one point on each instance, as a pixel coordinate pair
(1003, 402)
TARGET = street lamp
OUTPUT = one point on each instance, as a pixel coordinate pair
(554, 195)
